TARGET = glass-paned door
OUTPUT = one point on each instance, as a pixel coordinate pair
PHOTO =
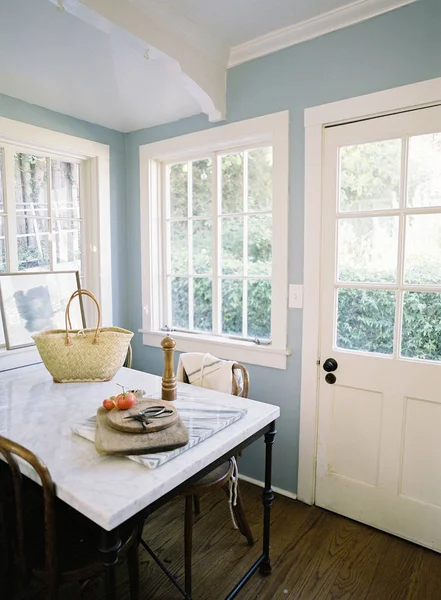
(380, 407)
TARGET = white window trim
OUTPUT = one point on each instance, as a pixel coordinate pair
(270, 129)
(95, 216)
(418, 95)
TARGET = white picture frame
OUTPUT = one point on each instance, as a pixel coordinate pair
(36, 301)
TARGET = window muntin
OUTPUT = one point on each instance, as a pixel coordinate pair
(40, 220)
(218, 244)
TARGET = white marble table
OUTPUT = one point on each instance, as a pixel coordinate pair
(38, 414)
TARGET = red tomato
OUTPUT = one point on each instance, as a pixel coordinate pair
(109, 404)
(125, 401)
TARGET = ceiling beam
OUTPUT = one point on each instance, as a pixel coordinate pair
(155, 34)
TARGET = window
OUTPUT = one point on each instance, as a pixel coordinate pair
(227, 292)
(217, 219)
(53, 192)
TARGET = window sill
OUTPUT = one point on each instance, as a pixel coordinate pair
(241, 351)
(21, 357)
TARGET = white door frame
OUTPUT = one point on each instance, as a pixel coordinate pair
(418, 95)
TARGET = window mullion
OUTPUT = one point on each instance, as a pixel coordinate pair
(245, 248)
(216, 195)
(52, 242)
(11, 214)
(84, 222)
(399, 296)
(165, 236)
(190, 245)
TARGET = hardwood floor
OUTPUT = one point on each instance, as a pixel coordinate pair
(315, 555)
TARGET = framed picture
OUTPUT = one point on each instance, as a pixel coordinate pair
(33, 301)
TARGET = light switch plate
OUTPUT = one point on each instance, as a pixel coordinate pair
(295, 296)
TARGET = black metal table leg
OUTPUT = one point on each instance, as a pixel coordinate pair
(267, 498)
(263, 562)
(109, 545)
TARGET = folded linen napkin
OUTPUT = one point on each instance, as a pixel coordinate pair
(205, 370)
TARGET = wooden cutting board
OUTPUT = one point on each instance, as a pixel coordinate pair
(118, 418)
(111, 441)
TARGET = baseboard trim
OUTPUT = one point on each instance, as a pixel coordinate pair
(275, 489)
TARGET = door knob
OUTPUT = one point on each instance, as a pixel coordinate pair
(330, 365)
(330, 378)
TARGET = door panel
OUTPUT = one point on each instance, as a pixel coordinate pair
(355, 434)
(379, 434)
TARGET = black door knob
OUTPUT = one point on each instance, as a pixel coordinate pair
(330, 365)
(330, 378)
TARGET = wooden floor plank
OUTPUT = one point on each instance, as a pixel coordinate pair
(315, 554)
(393, 576)
(426, 579)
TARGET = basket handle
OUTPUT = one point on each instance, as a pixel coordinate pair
(67, 320)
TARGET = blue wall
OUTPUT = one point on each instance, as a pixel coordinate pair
(398, 48)
(18, 110)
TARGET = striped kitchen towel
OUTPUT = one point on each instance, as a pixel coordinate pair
(205, 370)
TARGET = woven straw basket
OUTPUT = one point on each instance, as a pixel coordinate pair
(84, 354)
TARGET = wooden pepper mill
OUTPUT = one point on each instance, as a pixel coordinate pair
(169, 385)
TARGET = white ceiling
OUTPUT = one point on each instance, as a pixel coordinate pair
(58, 61)
(238, 21)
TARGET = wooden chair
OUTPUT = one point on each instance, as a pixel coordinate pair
(218, 478)
(50, 540)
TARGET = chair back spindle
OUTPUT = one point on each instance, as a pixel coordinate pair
(10, 450)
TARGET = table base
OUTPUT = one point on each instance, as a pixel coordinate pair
(110, 542)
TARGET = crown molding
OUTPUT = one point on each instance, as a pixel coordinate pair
(333, 20)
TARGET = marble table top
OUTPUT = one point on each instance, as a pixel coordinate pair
(39, 414)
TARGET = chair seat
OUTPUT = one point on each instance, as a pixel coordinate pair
(217, 477)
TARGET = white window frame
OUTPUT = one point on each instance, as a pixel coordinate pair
(270, 130)
(95, 192)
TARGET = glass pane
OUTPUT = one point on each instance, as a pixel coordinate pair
(2, 207)
(367, 249)
(259, 308)
(421, 325)
(202, 246)
(232, 302)
(424, 177)
(202, 304)
(179, 302)
(179, 247)
(65, 179)
(202, 171)
(67, 242)
(260, 179)
(370, 175)
(33, 244)
(365, 320)
(232, 183)
(422, 263)
(178, 190)
(30, 185)
(232, 245)
(260, 241)
(2, 247)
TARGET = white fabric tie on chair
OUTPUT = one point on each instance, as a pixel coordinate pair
(205, 370)
(232, 484)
